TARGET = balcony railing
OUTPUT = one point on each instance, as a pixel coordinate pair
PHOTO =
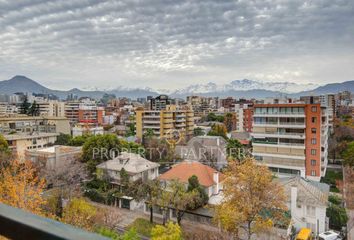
(18, 224)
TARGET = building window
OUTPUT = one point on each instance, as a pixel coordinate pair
(314, 109)
(313, 130)
(313, 162)
(313, 140)
(313, 152)
(313, 172)
(314, 119)
(310, 210)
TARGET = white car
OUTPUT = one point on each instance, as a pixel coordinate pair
(329, 235)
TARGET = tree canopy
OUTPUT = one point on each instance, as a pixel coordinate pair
(252, 201)
(171, 231)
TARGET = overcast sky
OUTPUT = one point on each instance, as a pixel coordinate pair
(170, 44)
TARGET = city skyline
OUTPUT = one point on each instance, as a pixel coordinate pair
(168, 45)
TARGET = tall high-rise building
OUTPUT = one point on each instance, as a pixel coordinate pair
(160, 102)
(291, 139)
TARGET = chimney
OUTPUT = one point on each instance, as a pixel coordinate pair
(216, 180)
(293, 197)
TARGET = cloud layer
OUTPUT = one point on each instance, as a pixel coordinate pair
(168, 43)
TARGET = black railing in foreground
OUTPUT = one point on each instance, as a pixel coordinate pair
(18, 224)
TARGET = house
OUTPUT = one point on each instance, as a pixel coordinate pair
(210, 150)
(137, 168)
(307, 201)
(209, 178)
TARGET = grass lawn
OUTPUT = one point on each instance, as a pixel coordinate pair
(142, 226)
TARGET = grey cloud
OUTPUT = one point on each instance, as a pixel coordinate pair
(154, 40)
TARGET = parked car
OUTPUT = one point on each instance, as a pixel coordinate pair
(329, 235)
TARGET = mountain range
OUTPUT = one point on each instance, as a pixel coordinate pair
(238, 88)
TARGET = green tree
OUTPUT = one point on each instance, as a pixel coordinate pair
(149, 133)
(194, 185)
(181, 199)
(170, 232)
(63, 139)
(198, 132)
(234, 149)
(212, 117)
(34, 109)
(98, 149)
(348, 155)
(78, 140)
(336, 213)
(25, 105)
(5, 152)
(218, 130)
(107, 97)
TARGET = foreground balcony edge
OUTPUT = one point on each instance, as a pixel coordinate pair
(18, 224)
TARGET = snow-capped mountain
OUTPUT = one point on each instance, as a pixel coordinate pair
(245, 85)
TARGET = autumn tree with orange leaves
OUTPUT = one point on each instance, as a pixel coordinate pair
(252, 202)
(20, 187)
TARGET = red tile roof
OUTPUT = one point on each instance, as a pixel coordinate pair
(184, 170)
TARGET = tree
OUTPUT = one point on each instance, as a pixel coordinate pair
(181, 199)
(194, 185)
(198, 132)
(21, 187)
(107, 97)
(5, 152)
(34, 109)
(63, 139)
(230, 121)
(234, 149)
(348, 155)
(336, 213)
(218, 130)
(67, 176)
(149, 133)
(80, 213)
(150, 190)
(252, 201)
(212, 117)
(170, 232)
(78, 141)
(98, 149)
(25, 105)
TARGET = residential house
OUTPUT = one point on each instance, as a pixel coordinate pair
(137, 168)
(307, 201)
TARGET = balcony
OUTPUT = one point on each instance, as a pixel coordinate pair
(279, 114)
(278, 144)
(279, 124)
(279, 135)
(17, 224)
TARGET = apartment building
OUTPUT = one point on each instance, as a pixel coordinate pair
(84, 112)
(291, 139)
(7, 109)
(51, 108)
(160, 102)
(244, 116)
(26, 132)
(165, 121)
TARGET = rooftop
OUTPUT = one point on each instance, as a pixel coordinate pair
(19, 136)
(131, 162)
(184, 170)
